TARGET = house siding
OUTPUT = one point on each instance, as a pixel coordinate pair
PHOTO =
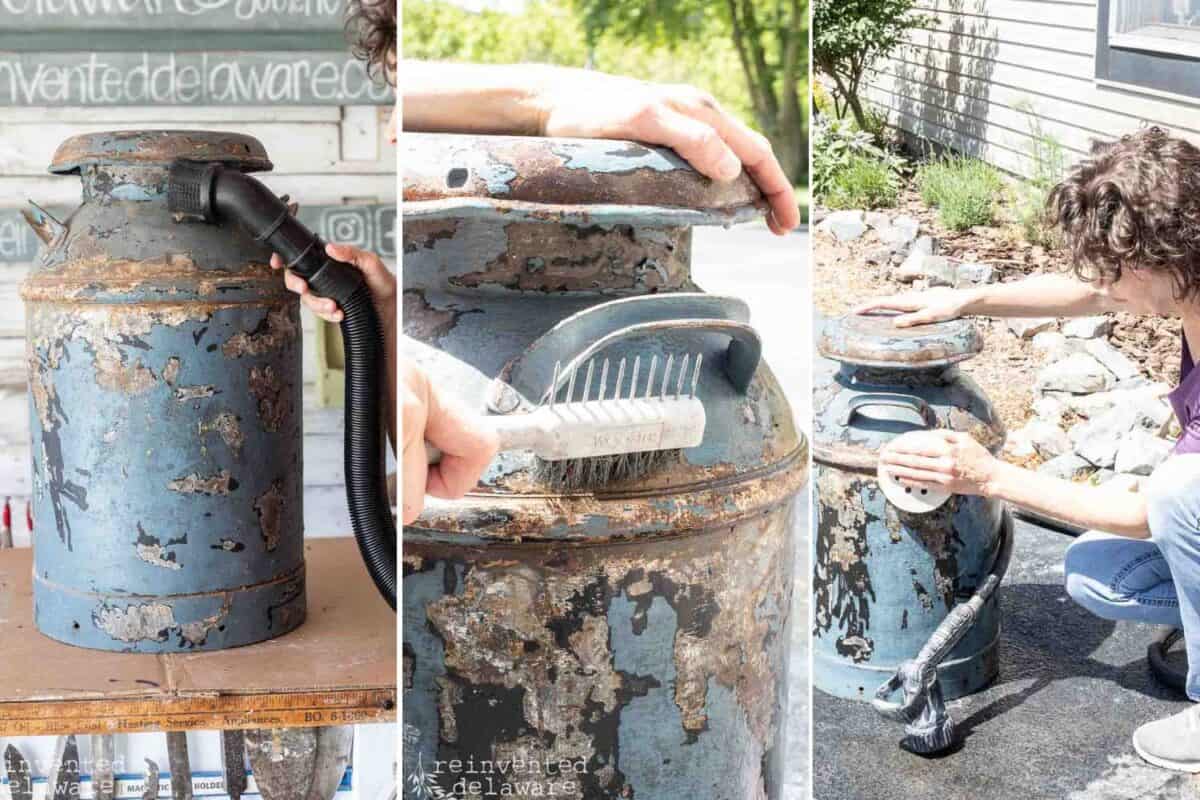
(971, 79)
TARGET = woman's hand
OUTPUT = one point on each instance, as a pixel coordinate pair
(380, 280)
(948, 460)
(686, 119)
(921, 308)
(467, 447)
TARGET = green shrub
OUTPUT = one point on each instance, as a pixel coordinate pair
(963, 190)
(849, 169)
(1048, 165)
(863, 183)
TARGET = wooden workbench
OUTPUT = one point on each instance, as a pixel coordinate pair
(338, 668)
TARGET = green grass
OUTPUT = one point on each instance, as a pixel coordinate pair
(963, 190)
(862, 183)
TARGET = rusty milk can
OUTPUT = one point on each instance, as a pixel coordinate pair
(632, 636)
(165, 407)
(883, 578)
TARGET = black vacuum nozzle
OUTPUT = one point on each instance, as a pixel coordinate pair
(189, 189)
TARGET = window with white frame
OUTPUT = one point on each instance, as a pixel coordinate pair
(1152, 44)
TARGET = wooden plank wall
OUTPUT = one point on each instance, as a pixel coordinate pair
(324, 155)
(969, 81)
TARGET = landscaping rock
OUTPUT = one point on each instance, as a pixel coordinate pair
(1087, 327)
(1112, 358)
(1067, 466)
(1151, 414)
(940, 271)
(1045, 438)
(877, 220)
(904, 230)
(927, 245)
(845, 226)
(1098, 440)
(1049, 409)
(879, 255)
(1091, 405)
(1141, 452)
(937, 269)
(1028, 327)
(1078, 373)
(971, 274)
(1054, 346)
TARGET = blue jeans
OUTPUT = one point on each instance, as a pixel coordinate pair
(1155, 580)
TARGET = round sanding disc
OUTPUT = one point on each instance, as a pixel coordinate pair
(913, 499)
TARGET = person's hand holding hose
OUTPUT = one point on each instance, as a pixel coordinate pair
(382, 283)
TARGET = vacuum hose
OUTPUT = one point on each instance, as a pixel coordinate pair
(216, 193)
(929, 728)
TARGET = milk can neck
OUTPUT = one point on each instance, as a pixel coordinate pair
(859, 375)
(140, 183)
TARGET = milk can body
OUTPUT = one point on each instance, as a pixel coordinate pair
(636, 631)
(883, 578)
(165, 411)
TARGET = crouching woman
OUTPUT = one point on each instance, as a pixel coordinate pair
(1130, 217)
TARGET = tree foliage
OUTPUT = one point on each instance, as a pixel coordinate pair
(849, 36)
(688, 41)
(770, 38)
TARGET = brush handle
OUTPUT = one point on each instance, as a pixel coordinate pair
(598, 428)
(519, 432)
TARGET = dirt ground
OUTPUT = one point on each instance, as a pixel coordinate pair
(1007, 367)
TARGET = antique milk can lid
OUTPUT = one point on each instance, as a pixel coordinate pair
(159, 147)
(872, 340)
(581, 181)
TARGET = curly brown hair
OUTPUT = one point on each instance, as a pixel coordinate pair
(371, 28)
(1133, 204)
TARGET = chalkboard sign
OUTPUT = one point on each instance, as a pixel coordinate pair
(369, 227)
(187, 78)
(167, 15)
(180, 52)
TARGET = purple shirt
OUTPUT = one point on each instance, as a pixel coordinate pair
(1185, 399)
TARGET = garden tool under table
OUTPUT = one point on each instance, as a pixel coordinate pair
(299, 763)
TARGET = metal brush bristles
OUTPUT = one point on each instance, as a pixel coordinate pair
(576, 474)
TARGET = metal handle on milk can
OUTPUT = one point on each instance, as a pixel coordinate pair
(906, 402)
(587, 333)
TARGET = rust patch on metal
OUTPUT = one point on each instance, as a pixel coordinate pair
(841, 582)
(108, 332)
(88, 272)
(212, 485)
(424, 322)
(185, 394)
(196, 633)
(276, 330)
(542, 621)
(268, 391)
(114, 374)
(543, 173)
(226, 426)
(424, 234)
(159, 147)
(269, 508)
(540, 257)
(228, 545)
(170, 371)
(153, 551)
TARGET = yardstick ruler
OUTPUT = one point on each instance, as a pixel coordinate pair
(202, 712)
